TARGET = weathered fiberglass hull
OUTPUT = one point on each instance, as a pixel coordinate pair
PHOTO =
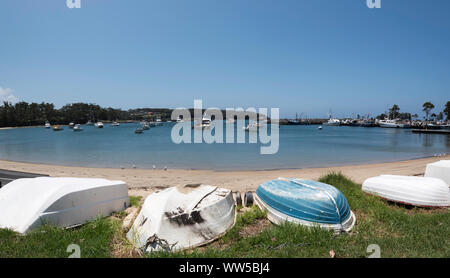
(63, 202)
(305, 202)
(183, 217)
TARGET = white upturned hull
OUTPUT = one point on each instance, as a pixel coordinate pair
(183, 217)
(279, 218)
(63, 202)
(417, 191)
(440, 170)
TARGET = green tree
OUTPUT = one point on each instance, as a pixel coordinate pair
(427, 107)
(394, 111)
(447, 110)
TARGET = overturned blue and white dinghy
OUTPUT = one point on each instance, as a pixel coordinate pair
(305, 202)
(183, 217)
(63, 202)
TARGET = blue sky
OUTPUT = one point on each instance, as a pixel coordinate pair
(299, 55)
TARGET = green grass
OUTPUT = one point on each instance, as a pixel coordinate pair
(94, 239)
(398, 230)
(135, 201)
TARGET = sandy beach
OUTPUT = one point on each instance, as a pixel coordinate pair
(144, 181)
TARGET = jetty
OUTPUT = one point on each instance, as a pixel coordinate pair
(431, 131)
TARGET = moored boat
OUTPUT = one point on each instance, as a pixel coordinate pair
(393, 124)
(63, 202)
(333, 122)
(145, 125)
(98, 124)
(416, 191)
(77, 128)
(47, 124)
(253, 126)
(368, 123)
(305, 202)
(204, 124)
(139, 130)
(183, 217)
(57, 128)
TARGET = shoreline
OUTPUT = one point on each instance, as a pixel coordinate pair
(444, 154)
(142, 182)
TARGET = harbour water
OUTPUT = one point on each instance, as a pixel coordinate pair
(300, 147)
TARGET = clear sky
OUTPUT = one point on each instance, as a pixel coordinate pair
(299, 55)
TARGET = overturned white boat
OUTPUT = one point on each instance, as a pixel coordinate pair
(63, 202)
(183, 217)
(416, 191)
(440, 170)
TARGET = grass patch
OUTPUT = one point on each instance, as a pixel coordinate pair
(94, 239)
(398, 230)
(135, 201)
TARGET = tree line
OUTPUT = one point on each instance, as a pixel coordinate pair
(32, 114)
(427, 108)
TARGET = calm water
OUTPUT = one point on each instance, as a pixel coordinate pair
(300, 147)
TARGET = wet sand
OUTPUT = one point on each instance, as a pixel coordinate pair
(144, 181)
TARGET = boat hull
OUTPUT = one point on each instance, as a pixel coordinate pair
(63, 202)
(387, 125)
(416, 191)
(278, 218)
(180, 218)
(305, 202)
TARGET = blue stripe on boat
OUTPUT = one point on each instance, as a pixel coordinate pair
(305, 199)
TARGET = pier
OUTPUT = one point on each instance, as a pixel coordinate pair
(431, 131)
